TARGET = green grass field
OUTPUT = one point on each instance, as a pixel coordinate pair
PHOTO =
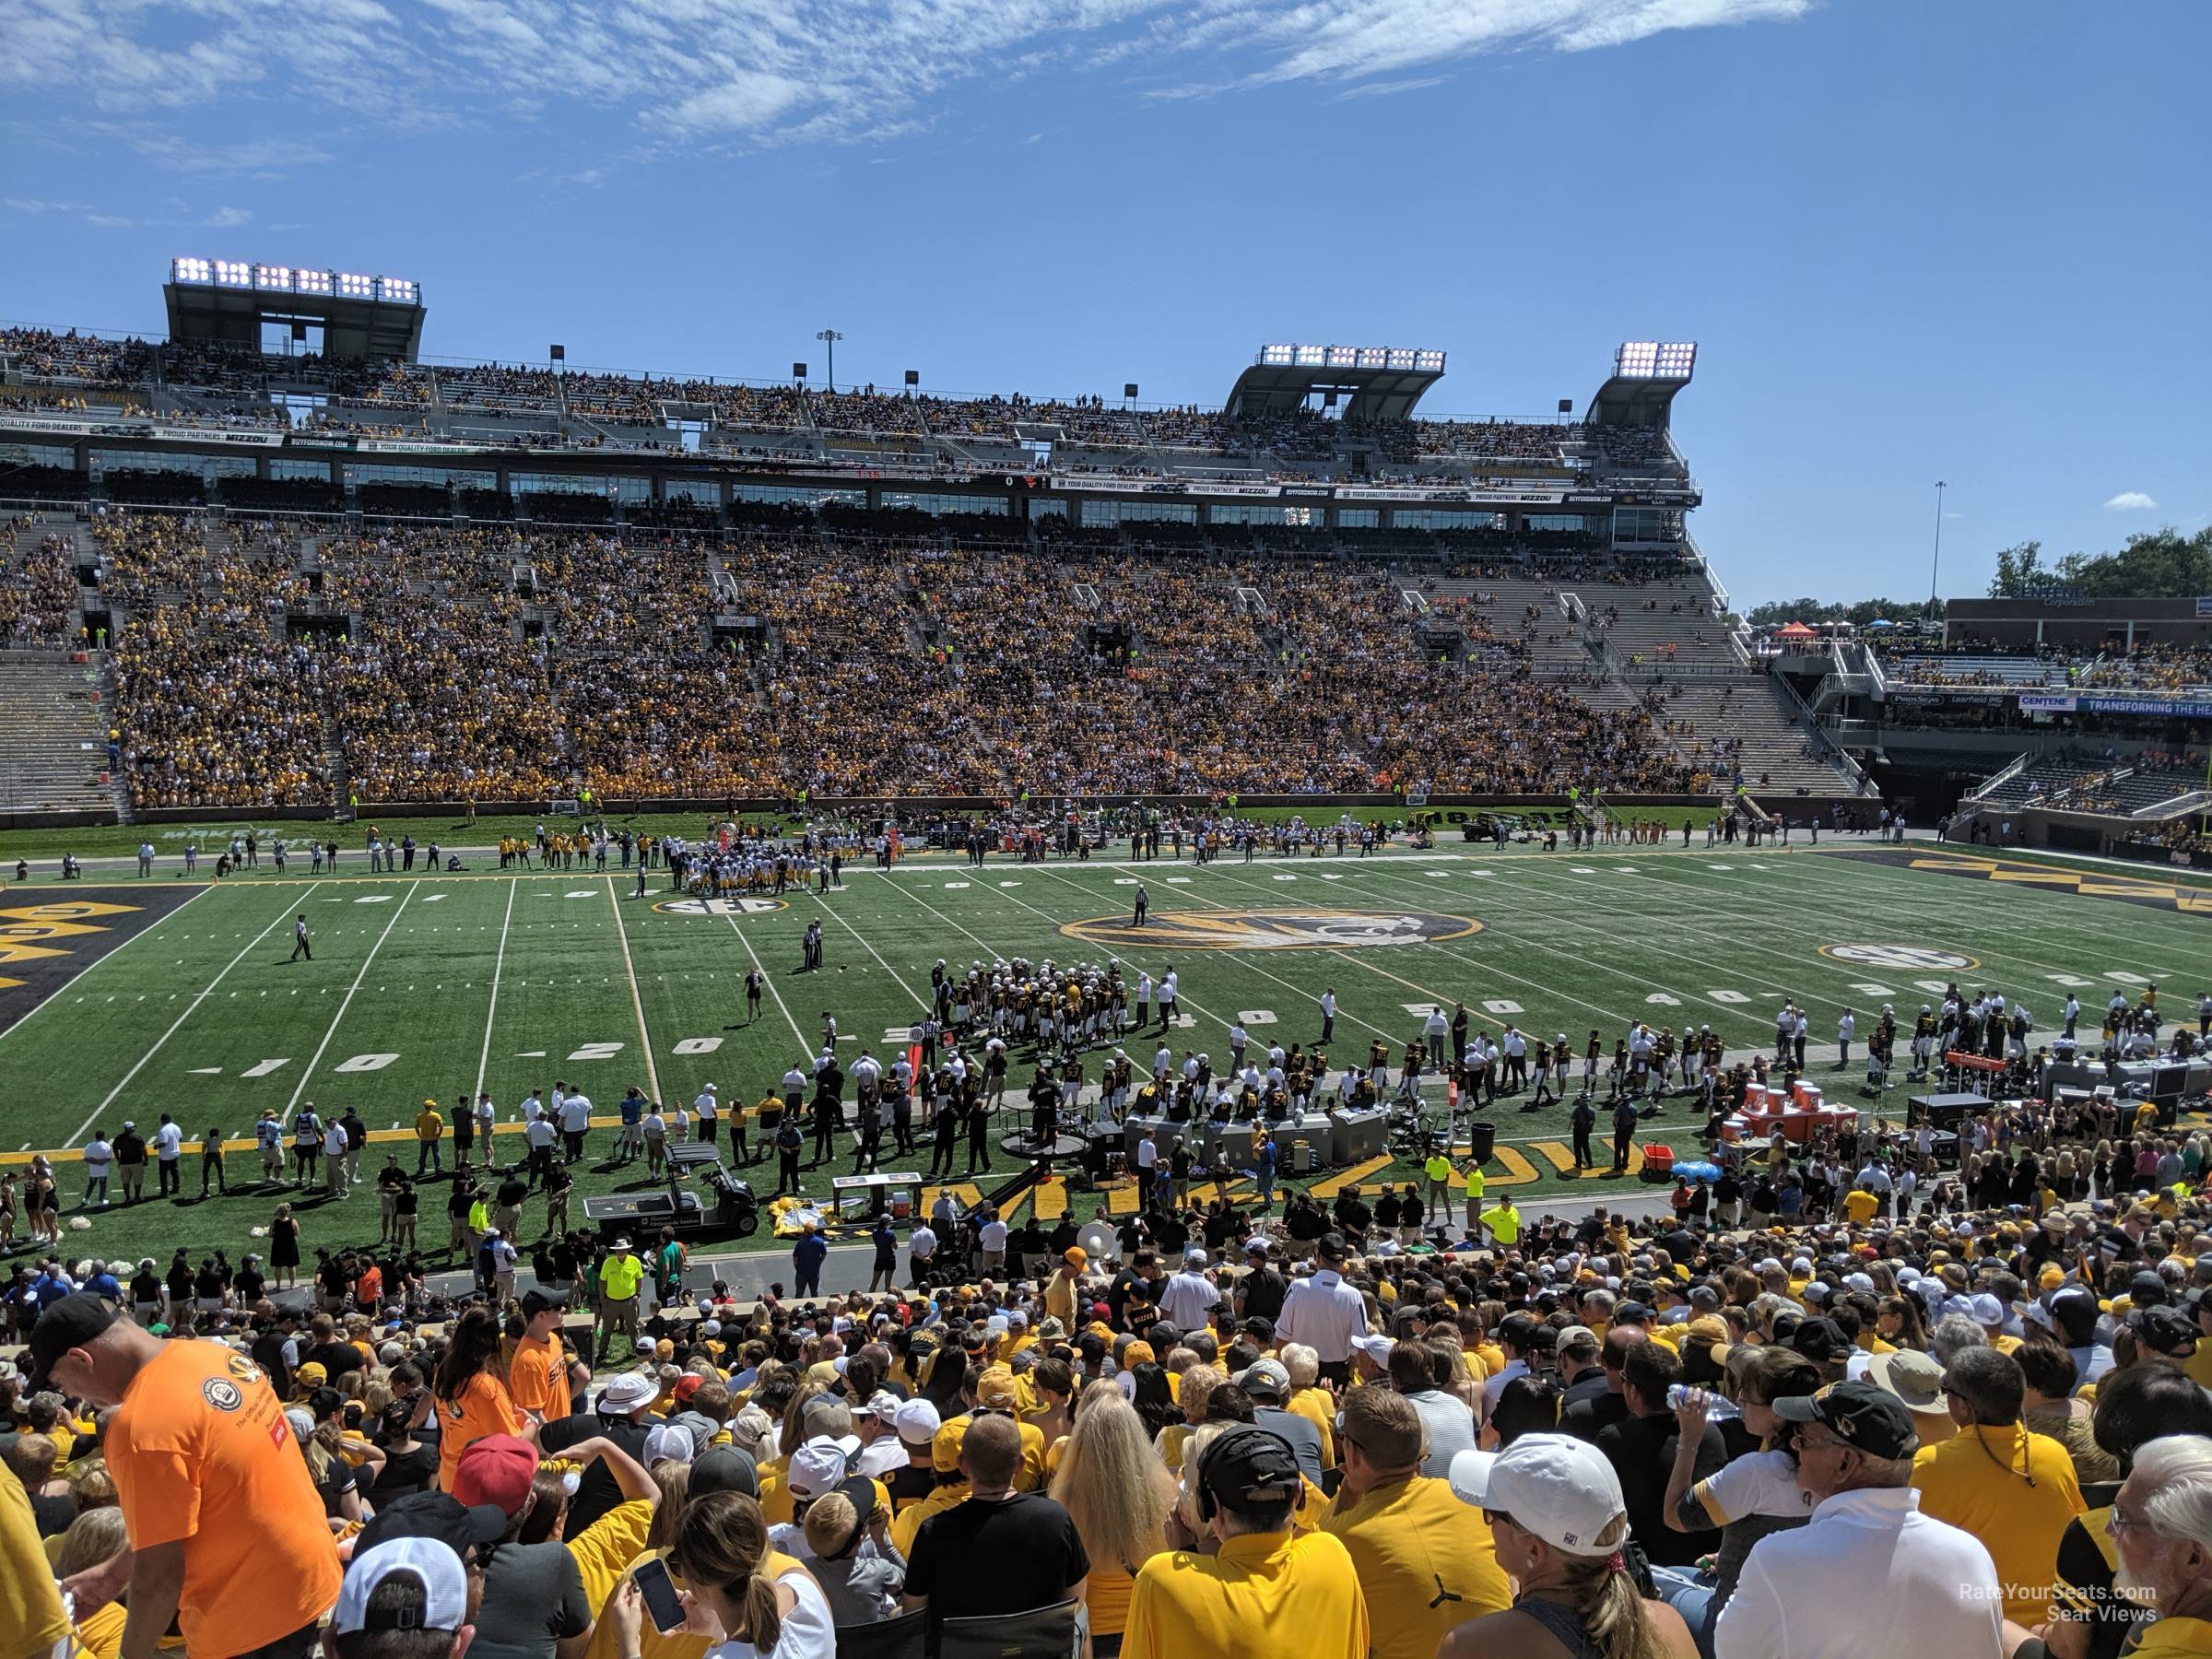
(430, 985)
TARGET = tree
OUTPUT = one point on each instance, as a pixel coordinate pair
(2021, 574)
(2155, 564)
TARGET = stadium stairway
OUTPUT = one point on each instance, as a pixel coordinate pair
(54, 717)
(1755, 709)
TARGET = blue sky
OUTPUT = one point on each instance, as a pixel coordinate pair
(1922, 241)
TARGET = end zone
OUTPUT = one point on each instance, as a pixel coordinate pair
(46, 944)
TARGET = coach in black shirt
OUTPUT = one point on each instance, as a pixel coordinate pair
(1036, 1559)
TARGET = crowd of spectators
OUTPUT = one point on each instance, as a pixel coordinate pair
(38, 592)
(1871, 1392)
(577, 657)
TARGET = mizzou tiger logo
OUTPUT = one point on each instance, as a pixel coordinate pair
(1271, 930)
(720, 907)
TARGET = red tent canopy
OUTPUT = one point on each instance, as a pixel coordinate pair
(1792, 630)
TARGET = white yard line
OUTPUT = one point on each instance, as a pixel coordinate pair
(637, 1003)
(805, 1046)
(181, 1019)
(346, 1001)
(922, 1001)
(500, 962)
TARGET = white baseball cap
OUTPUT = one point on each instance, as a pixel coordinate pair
(917, 1422)
(671, 1442)
(817, 1467)
(444, 1586)
(1561, 1489)
(1375, 1348)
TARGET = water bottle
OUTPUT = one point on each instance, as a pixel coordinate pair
(1717, 1408)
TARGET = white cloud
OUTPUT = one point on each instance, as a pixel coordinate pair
(2130, 501)
(692, 74)
(1389, 88)
(228, 218)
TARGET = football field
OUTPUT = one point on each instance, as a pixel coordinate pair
(123, 998)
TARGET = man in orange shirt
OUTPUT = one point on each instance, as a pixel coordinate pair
(537, 1377)
(225, 1526)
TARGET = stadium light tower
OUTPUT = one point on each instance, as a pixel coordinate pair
(829, 337)
(1934, 570)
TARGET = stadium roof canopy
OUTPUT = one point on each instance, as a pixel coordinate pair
(1375, 382)
(227, 300)
(1646, 375)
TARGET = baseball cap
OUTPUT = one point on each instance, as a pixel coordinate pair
(917, 1422)
(1985, 1309)
(1375, 1348)
(723, 1469)
(71, 1323)
(995, 1390)
(1248, 1467)
(689, 1383)
(670, 1442)
(537, 1301)
(1267, 1377)
(436, 1515)
(1821, 1339)
(2162, 1329)
(1862, 1415)
(881, 1404)
(645, 1345)
(1561, 1489)
(496, 1469)
(815, 1468)
(444, 1588)
(1331, 1247)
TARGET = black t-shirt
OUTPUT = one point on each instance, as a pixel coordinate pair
(595, 1491)
(337, 1480)
(1641, 1451)
(336, 1359)
(1030, 1541)
(53, 1516)
(1265, 1292)
(404, 1472)
(1586, 1419)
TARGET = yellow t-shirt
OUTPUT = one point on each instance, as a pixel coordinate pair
(651, 1644)
(429, 1124)
(1410, 1544)
(1979, 1480)
(2173, 1639)
(908, 1520)
(1319, 1409)
(1504, 1223)
(100, 1635)
(1859, 1205)
(31, 1604)
(1237, 1605)
(605, 1549)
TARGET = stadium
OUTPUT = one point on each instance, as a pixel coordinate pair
(465, 819)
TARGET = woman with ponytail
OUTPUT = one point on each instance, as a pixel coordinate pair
(471, 1390)
(1559, 1525)
(720, 1555)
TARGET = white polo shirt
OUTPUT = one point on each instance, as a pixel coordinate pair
(1324, 1313)
(1805, 1593)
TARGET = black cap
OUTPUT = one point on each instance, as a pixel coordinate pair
(537, 1301)
(70, 1322)
(1331, 1247)
(1859, 1414)
(1259, 1325)
(2146, 1290)
(1822, 1340)
(1251, 1468)
(723, 1469)
(2162, 1329)
(1632, 1313)
(2074, 1313)
(437, 1515)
